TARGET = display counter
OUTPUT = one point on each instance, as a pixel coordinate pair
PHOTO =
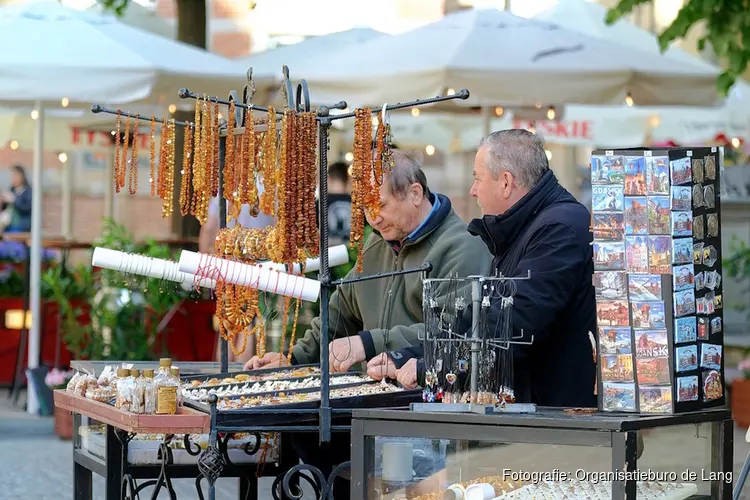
(552, 453)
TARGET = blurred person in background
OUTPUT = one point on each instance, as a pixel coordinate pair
(339, 203)
(16, 203)
(207, 244)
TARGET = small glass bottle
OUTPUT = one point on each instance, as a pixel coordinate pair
(166, 389)
(125, 389)
(149, 392)
(176, 376)
(136, 406)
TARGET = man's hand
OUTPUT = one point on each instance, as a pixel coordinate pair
(269, 360)
(345, 352)
(381, 366)
(407, 374)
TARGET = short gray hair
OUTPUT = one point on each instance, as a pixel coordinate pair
(407, 170)
(519, 152)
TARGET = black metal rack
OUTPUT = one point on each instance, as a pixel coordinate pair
(298, 99)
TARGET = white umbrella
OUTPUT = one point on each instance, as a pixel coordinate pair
(143, 18)
(55, 53)
(682, 124)
(505, 59)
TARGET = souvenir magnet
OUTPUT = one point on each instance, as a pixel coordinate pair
(618, 396)
(703, 328)
(657, 399)
(636, 254)
(712, 223)
(709, 165)
(612, 313)
(609, 226)
(698, 228)
(682, 250)
(687, 388)
(642, 287)
(686, 358)
(683, 277)
(697, 252)
(681, 171)
(611, 284)
(716, 325)
(682, 224)
(607, 198)
(684, 330)
(648, 314)
(609, 256)
(659, 215)
(684, 303)
(709, 256)
(718, 302)
(607, 169)
(697, 170)
(657, 175)
(681, 198)
(713, 389)
(659, 254)
(709, 197)
(711, 356)
(451, 378)
(710, 307)
(636, 215)
(635, 175)
(697, 196)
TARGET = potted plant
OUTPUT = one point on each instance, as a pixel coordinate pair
(740, 395)
(58, 379)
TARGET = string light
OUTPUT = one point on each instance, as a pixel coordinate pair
(654, 121)
(538, 105)
(34, 114)
(349, 156)
(13, 145)
(172, 108)
(62, 157)
(735, 142)
(450, 92)
(499, 111)
(629, 100)
(551, 113)
(429, 149)
(415, 112)
(64, 102)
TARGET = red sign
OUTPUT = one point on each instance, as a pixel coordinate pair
(561, 130)
(100, 138)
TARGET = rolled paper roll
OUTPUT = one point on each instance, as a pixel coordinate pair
(454, 492)
(482, 491)
(398, 462)
(130, 263)
(254, 276)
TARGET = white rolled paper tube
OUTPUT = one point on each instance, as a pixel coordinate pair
(150, 267)
(258, 276)
(398, 462)
(482, 491)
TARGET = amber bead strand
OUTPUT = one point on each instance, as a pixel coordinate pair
(311, 169)
(194, 199)
(124, 157)
(268, 198)
(215, 149)
(133, 173)
(164, 137)
(152, 157)
(118, 147)
(185, 180)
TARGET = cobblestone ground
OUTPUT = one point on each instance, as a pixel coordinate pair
(35, 465)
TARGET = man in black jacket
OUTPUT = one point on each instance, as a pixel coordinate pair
(531, 223)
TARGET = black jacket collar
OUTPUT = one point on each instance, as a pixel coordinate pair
(499, 231)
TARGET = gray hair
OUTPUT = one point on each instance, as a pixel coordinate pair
(519, 152)
(406, 171)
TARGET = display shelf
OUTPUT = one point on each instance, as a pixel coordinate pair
(186, 421)
(601, 446)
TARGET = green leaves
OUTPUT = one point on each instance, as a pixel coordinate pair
(116, 6)
(727, 31)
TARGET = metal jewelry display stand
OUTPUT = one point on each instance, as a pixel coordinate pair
(211, 461)
(478, 302)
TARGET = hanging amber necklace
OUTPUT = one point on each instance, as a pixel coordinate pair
(133, 174)
(152, 158)
(124, 157)
(185, 181)
(118, 146)
(268, 159)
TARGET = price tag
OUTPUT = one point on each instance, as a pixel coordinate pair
(690, 153)
(647, 153)
(609, 152)
(713, 149)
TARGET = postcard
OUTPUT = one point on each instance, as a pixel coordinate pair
(652, 357)
(644, 287)
(655, 399)
(609, 255)
(618, 396)
(636, 254)
(657, 175)
(607, 169)
(617, 367)
(636, 215)
(713, 388)
(612, 313)
(686, 358)
(609, 226)
(682, 224)
(681, 171)
(703, 326)
(684, 303)
(697, 170)
(659, 215)
(615, 340)
(635, 175)
(711, 356)
(607, 198)
(648, 315)
(687, 388)
(681, 198)
(611, 284)
(682, 250)
(683, 277)
(709, 166)
(659, 254)
(684, 330)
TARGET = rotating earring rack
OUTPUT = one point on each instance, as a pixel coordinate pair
(297, 98)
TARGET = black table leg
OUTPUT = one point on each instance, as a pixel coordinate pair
(81, 483)
(722, 459)
(116, 456)
(624, 459)
(15, 390)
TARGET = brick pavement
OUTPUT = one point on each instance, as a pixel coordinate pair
(36, 465)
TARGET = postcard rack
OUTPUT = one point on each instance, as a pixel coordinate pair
(658, 279)
(297, 98)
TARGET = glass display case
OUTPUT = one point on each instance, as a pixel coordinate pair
(548, 454)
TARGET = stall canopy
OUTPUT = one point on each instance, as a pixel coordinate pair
(55, 54)
(508, 60)
(683, 124)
